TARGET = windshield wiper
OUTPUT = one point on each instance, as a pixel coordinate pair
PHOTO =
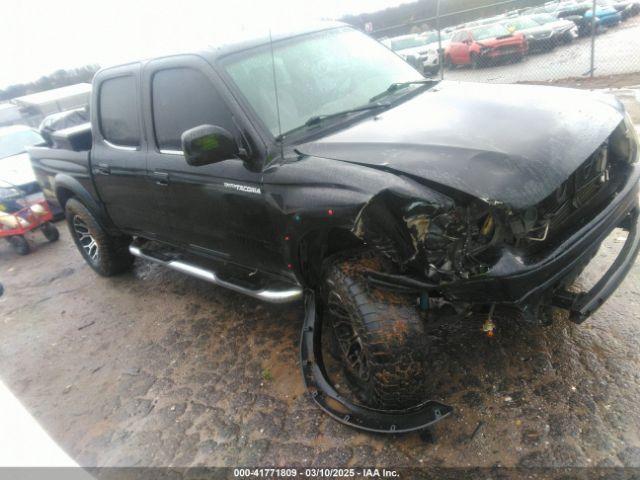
(397, 86)
(319, 118)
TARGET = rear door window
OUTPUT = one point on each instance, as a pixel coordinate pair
(184, 98)
(118, 111)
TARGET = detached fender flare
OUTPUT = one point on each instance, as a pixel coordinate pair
(65, 183)
(321, 390)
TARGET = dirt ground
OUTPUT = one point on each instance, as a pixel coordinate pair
(157, 368)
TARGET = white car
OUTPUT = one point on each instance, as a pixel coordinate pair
(15, 165)
(418, 49)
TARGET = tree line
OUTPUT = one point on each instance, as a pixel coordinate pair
(57, 79)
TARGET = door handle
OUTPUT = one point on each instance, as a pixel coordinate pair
(161, 178)
(104, 169)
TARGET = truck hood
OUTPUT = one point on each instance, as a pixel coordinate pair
(509, 144)
(16, 170)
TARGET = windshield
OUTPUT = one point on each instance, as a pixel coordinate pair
(15, 142)
(490, 31)
(317, 74)
(403, 43)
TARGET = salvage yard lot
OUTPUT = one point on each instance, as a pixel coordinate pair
(616, 52)
(157, 368)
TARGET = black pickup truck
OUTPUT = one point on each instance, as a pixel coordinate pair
(318, 163)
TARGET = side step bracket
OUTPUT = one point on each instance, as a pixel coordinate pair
(341, 409)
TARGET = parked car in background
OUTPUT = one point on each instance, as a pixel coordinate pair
(540, 38)
(606, 14)
(564, 31)
(484, 44)
(626, 8)
(445, 38)
(569, 10)
(15, 166)
(420, 50)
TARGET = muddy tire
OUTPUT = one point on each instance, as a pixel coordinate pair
(50, 232)
(381, 337)
(20, 244)
(107, 254)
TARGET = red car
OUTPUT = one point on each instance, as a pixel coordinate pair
(479, 45)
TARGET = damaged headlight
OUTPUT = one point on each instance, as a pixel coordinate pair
(623, 142)
(457, 243)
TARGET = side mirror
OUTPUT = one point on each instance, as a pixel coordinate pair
(206, 144)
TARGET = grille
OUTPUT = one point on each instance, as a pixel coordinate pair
(577, 200)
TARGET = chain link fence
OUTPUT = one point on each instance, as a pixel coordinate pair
(510, 41)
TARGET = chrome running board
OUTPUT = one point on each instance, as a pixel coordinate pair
(287, 293)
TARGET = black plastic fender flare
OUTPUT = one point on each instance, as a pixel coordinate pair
(340, 408)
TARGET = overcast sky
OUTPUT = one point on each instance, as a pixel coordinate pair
(40, 36)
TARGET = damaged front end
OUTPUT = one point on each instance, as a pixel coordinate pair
(472, 253)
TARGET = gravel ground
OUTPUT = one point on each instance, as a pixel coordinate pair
(157, 368)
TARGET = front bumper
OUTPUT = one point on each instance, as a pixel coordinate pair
(514, 281)
(430, 63)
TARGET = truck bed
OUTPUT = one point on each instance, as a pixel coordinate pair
(69, 157)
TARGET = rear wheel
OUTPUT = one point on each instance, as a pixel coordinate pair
(106, 254)
(20, 244)
(380, 335)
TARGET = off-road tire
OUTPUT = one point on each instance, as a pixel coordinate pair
(50, 232)
(390, 333)
(112, 256)
(20, 244)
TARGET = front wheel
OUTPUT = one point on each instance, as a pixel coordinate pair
(475, 61)
(380, 335)
(106, 254)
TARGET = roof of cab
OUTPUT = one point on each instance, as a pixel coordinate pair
(277, 34)
(245, 42)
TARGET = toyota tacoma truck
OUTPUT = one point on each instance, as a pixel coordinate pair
(316, 163)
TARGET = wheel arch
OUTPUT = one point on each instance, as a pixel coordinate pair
(317, 245)
(67, 187)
